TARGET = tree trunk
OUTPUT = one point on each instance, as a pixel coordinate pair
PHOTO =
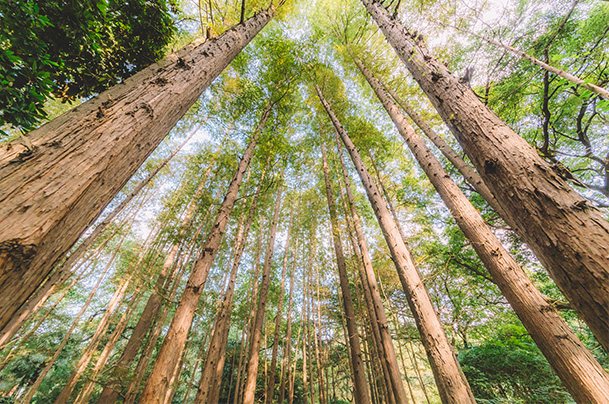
(470, 175)
(270, 388)
(582, 375)
(173, 345)
(254, 349)
(361, 393)
(111, 390)
(105, 139)
(217, 345)
(451, 382)
(369, 285)
(570, 238)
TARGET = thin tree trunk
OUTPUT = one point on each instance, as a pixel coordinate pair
(361, 393)
(111, 390)
(270, 387)
(369, 285)
(173, 345)
(451, 382)
(287, 351)
(570, 238)
(582, 375)
(318, 347)
(217, 346)
(34, 388)
(249, 389)
(470, 175)
(559, 72)
(292, 377)
(106, 139)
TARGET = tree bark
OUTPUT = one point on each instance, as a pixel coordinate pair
(270, 388)
(361, 393)
(105, 140)
(451, 382)
(217, 346)
(581, 374)
(569, 237)
(173, 345)
(249, 389)
(370, 286)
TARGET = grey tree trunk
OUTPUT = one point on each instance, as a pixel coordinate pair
(104, 140)
(568, 236)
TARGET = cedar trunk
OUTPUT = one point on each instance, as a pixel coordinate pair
(568, 236)
(583, 376)
(361, 393)
(451, 382)
(104, 141)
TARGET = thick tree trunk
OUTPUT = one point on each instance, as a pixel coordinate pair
(173, 345)
(105, 140)
(270, 387)
(361, 393)
(249, 389)
(370, 286)
(581, 374)
(217, 346)
(451, 382)
(570, 238)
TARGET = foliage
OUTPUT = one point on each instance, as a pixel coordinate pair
(73, 49)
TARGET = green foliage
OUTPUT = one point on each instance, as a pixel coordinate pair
(73, 49)
(511, 370)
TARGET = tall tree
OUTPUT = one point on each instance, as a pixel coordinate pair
(570, 237)
(361, 393)
(585, 378)
(451, 382)
(105, 140)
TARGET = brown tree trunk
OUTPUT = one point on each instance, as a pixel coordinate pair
(111, 390)
(173, 345)
(570, 238)
(451, 382)
(217, 345)
(370, 286)
(270, 387)
(318, 348)
(582, 375)
(361, 393)
(105, 139)
(470, 175)
(249, 389)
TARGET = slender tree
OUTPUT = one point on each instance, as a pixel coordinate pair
(568, 236)
(451, 382)
(361, 393)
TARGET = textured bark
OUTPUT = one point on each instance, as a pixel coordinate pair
(111, 390)
(34, 388)
(249, 389)
(105, 140)
(470, 175)
(451, 382)
(318, 349)
(270, 387)
(370, 287)
(214, 363)
(175, 341)
(287, 351)
(569, 237)
(581, 374)
(361, 393)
